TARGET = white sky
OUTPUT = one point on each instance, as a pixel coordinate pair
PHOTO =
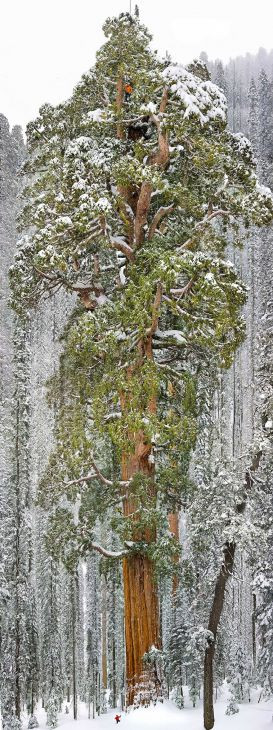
(45, 45)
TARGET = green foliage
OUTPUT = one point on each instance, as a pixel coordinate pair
(132, 365)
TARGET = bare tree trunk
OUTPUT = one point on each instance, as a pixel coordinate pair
(174, 529)
(114, 667)
(74, 671)
(218, 599)
(17, 577)
(214, 619)
(104, 633)
(254, 652)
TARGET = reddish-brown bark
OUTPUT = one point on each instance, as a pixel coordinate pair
(140, 591)
(141, 607)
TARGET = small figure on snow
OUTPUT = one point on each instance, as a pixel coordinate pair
(128, 89)
(117, 718)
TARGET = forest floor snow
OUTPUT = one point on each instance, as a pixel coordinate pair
(252, 716)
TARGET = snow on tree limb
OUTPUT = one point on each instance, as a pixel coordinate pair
(108, 553)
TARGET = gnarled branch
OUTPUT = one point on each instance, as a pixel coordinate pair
(161, 213)
(124, 247)
(161, 156)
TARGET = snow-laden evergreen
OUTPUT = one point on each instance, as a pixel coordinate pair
(61, 626)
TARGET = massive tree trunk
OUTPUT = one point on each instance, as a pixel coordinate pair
(141, 629)
(140, 595)
(141, 605)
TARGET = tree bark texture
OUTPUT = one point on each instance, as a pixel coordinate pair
(141, 606)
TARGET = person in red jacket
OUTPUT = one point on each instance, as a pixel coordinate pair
(117, 718)
(128, 89)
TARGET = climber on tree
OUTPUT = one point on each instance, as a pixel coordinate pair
(128, 90)
(117, 718)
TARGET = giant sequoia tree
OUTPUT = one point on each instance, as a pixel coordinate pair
(135, 186)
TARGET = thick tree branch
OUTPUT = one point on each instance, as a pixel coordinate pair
(107, 482)
(80, 480)
(162, 155)
(124, 247)
(155, 313)
(164, 101)
(160, 158)
(119, 100)
(161, 213)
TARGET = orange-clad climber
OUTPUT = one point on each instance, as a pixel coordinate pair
(128, 90)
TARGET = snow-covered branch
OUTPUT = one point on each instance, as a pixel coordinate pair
(108, 553)
(97, 474)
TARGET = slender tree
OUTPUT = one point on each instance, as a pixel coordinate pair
(253, 119)
(265, 96)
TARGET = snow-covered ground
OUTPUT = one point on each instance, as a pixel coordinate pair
(253, 716)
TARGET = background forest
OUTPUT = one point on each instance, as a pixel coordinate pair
(62, 636)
